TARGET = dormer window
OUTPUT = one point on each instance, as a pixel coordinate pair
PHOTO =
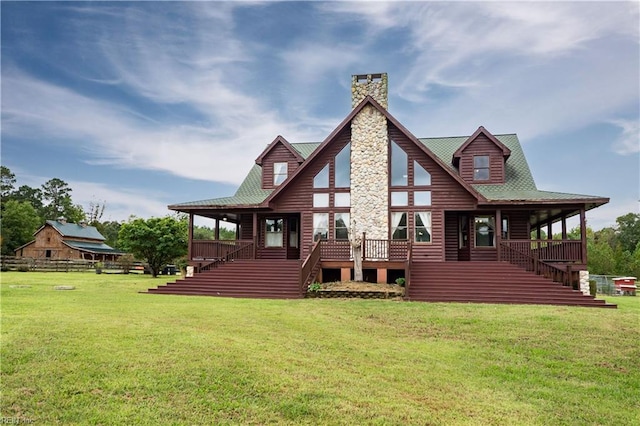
(480, 167)
(279, 173)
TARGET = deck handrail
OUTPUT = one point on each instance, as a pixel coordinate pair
(372, 249)
(548, 250)
(530, 262)
(244, 250)
(309, 266)
(407, 270)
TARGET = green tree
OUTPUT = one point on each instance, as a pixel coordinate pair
(109, 231)
(157, 240)
(56, 195)
(7, 182)
(628, 231)
(19, 221)
(30, 195)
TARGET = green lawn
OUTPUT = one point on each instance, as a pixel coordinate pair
(105, 354)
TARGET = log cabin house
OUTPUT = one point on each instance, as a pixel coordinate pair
(61, 240)
(454, 216)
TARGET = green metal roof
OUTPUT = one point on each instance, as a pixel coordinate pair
(519, 184)
(75, 230)
(92, 247)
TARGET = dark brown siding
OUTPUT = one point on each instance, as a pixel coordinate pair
(298, 197)
(482, 146)
(279, 154)
(518, 224)
(451, 236)
(446, 194)
(246, 227)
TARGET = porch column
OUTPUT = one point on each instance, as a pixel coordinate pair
(216, 236)
(564, 226)
(189, 251)
(237, 230)
(498, 232)
(549, 229)
(255, 233)
(583, 234)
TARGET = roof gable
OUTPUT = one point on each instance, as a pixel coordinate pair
(368, 100)
(279, 140)
(506, 152)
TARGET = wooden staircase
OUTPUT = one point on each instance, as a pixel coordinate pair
(269, 279)
(490, 282)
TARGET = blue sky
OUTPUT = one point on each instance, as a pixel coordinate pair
(146, 104)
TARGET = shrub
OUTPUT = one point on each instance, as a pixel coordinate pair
(593, 287)
(401, 281)
(125, 262)
(23, 268)
(316, 286)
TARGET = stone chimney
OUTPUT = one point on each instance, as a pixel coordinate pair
(370, 159)
(374, 85)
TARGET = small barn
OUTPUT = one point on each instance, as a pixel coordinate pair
(59, 239)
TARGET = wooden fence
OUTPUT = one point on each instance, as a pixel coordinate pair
(11, 263)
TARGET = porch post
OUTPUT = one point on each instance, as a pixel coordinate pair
(549, 230)
(217, 233)
(498, 232)
(583, 234)
(237, 230)
(189, 249)
(255, 233)
(564, 226)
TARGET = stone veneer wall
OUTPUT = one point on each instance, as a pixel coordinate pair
(584, 282)
(369, 173)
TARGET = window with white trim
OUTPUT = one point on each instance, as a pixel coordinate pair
(422, 227)
(341, 222)
(481, 167)
(274, 232)
(485, 231)
(320, 226)
(398, 225)
(280, 171)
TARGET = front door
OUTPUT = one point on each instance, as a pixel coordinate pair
(293, 240)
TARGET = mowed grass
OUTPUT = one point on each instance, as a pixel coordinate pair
(105, 354)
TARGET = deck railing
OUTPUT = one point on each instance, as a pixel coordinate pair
(309, 266)
(207, 254)
(529, 261)
(546, 250)
(371, 249)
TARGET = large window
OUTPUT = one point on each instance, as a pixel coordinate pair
(342, 226)
(399, 166)
(421, 177)
(342, 199)
(342, 167)
(321, 180)
(273, 232)
(481, 167)
(279, 173)
(321, 200)
(398, 226)
(422, 198)
(485, 231)
(423, 227)
(320, 226)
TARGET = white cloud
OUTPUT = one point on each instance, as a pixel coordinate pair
(628, 143)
